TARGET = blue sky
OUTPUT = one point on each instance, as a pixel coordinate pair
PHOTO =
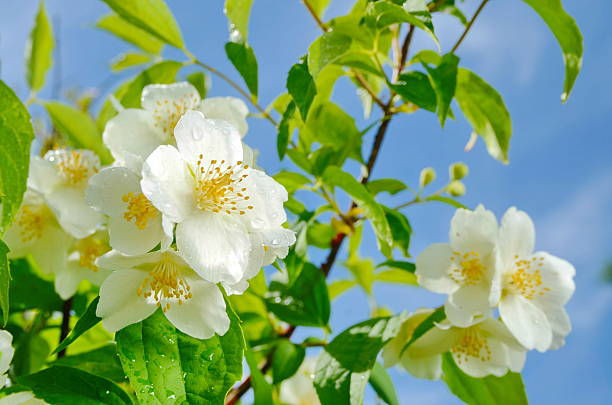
(560, 170)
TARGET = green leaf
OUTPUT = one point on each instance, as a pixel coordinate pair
(238, 12)
(383, 385)
(262, 389)
(338, 287)
(153, 16)
(244, 60)
(31, 351)
(391, 186)
(325, 50)
(301, 87)
(331, 126)
(129, 59)
(407, 266)
(291, 181)
(28, 291)
(200, 81)
(78, 127)
(416, 88)
(320, 235)
(444, 81)
(287, 359)
(345, 365)
(102, 362)
(319, 6)
(39, 52)
(446, 200)
(396, 276)
(333, 176)
(491, 390)
(362, 270)
(568, 35)
(485, 110)
(166, 366)
(436, 316)
(285, 131)
(304, 302)
(70, 386)
(119, 27)
(5, 280)
(16, 135)
(85, 322)
(400, 229)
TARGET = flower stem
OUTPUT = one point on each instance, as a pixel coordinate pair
(65, 328)
(468, 26)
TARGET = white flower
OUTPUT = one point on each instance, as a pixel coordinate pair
(299, 388)
(141, 284)
(61, 178)
(466, 268)
(135, 226)
(484, 348)
(35, 231)
(226, 212)
(22, 398)
(6, 354)
(81, 264)
(535, 286)
(153, 125)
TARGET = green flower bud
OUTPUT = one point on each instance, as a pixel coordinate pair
(428, 175)
(457, 171)
(456, 188)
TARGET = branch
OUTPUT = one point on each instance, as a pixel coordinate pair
(314, 15)
(65, 328)
(468, 26)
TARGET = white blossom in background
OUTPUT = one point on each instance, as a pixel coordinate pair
(140, 284)
(6, 354)
(22, 398)
(465, 268)
(135, 226)
(227, 213)
(299, 388)
(535, 286)
(153, 125)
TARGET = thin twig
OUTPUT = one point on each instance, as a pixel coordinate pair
(65, 328)
(314, 15)
(468, 26)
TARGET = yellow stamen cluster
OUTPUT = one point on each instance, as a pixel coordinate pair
(165, 284)
(74, 167)
(473, 343)
(527, 279)
(467, 268)
(90, 248)
(139, 209)
(31, 221)
(167, 113)
(220, 188)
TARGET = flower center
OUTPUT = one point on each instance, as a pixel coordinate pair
(527, 278)
(220, 188)
(167, 113)
(139, 209)
(165, 284)
(472, 344)
(74, 167)
(89, 249)
(31, 221)
(467, 268)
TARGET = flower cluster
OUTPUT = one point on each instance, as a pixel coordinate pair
(487, 267)
(181, 211)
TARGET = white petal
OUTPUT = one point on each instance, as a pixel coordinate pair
(167, 183)
(115, 260)
(68, 278)
(213, 139)
(473, 231)
(561, 327)
(42, 177)
(468, 304)
(126, 237)
(433, 266)
(433, 342)
(216, 246)
(391, 351)
(477, 367)
(107, 188)
(429, 368)
(155, 96)
(267, 197)
(6, 350)
(526, 322)
(204, 314)
(516, 235)
(51, 251)
(73, 213)
(254, 265)
(21, 398)
(230, 109)
(557, 276)
(120, 304)
(131, 136)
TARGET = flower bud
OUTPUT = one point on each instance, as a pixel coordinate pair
(428, 175)
(458, 170)
(456, 188)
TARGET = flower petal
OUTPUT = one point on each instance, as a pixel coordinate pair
(433, 266)
(467, 304)
(561, 327)
(6, 350)
(516, 235)
(429, 368)
(119, 304)
(156, 96)
(204, 314)
(230, 109)
(50, 251)
(473, 231)
(106, 189)
(166, 182)
(526, 322)
(115, 260)
(267, 197)
(433, 342)
(496, 363)
(42, 177)
(68, 278)
(254, 265)
(557, 276)
(73, 213)
(126, 237)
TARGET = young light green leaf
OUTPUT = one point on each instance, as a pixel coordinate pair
(362, 270)
(485, 110)
(5, 280)
(129, 59)
(430, 322)
(102, 362)
(287, 359)
(325, 50)
(119, 27)
(331, 126)
(39, 52)
(70, 386)
(85, 322)
(396, 276)
(446, 200)
(153, 16)
(391, 186)
(262, 389)
(292, 181)
(382, 383)
(400, 229)
(238, 12)
(200, 81)
(491, 390)
(568, 35)
(285, 131)
(79, 128)
(444, 81)
(338, 287)
(244, 60)
(319, 6)
(301, 87)
(415, 87)
(335, 177)
(16, 135)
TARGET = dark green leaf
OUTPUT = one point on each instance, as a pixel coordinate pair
(301, 87)
(70, 386)
(5, 280)
(485, 110)
(153, 16)
(304, 302)
(237, 12)
(400, 229)
(28, 291)
(568, 35)
(444, 81)
(284, 131)
(391, 186)
(383, 385)
(86, 322)
(325, 50)
(416, 88)
(244, 60)
(200, 81)
(491, 390)
(39, 54)
(16, 135)
(287, 359)
(407, 266)
(437, 316)
(102, 362)
(130, 33)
